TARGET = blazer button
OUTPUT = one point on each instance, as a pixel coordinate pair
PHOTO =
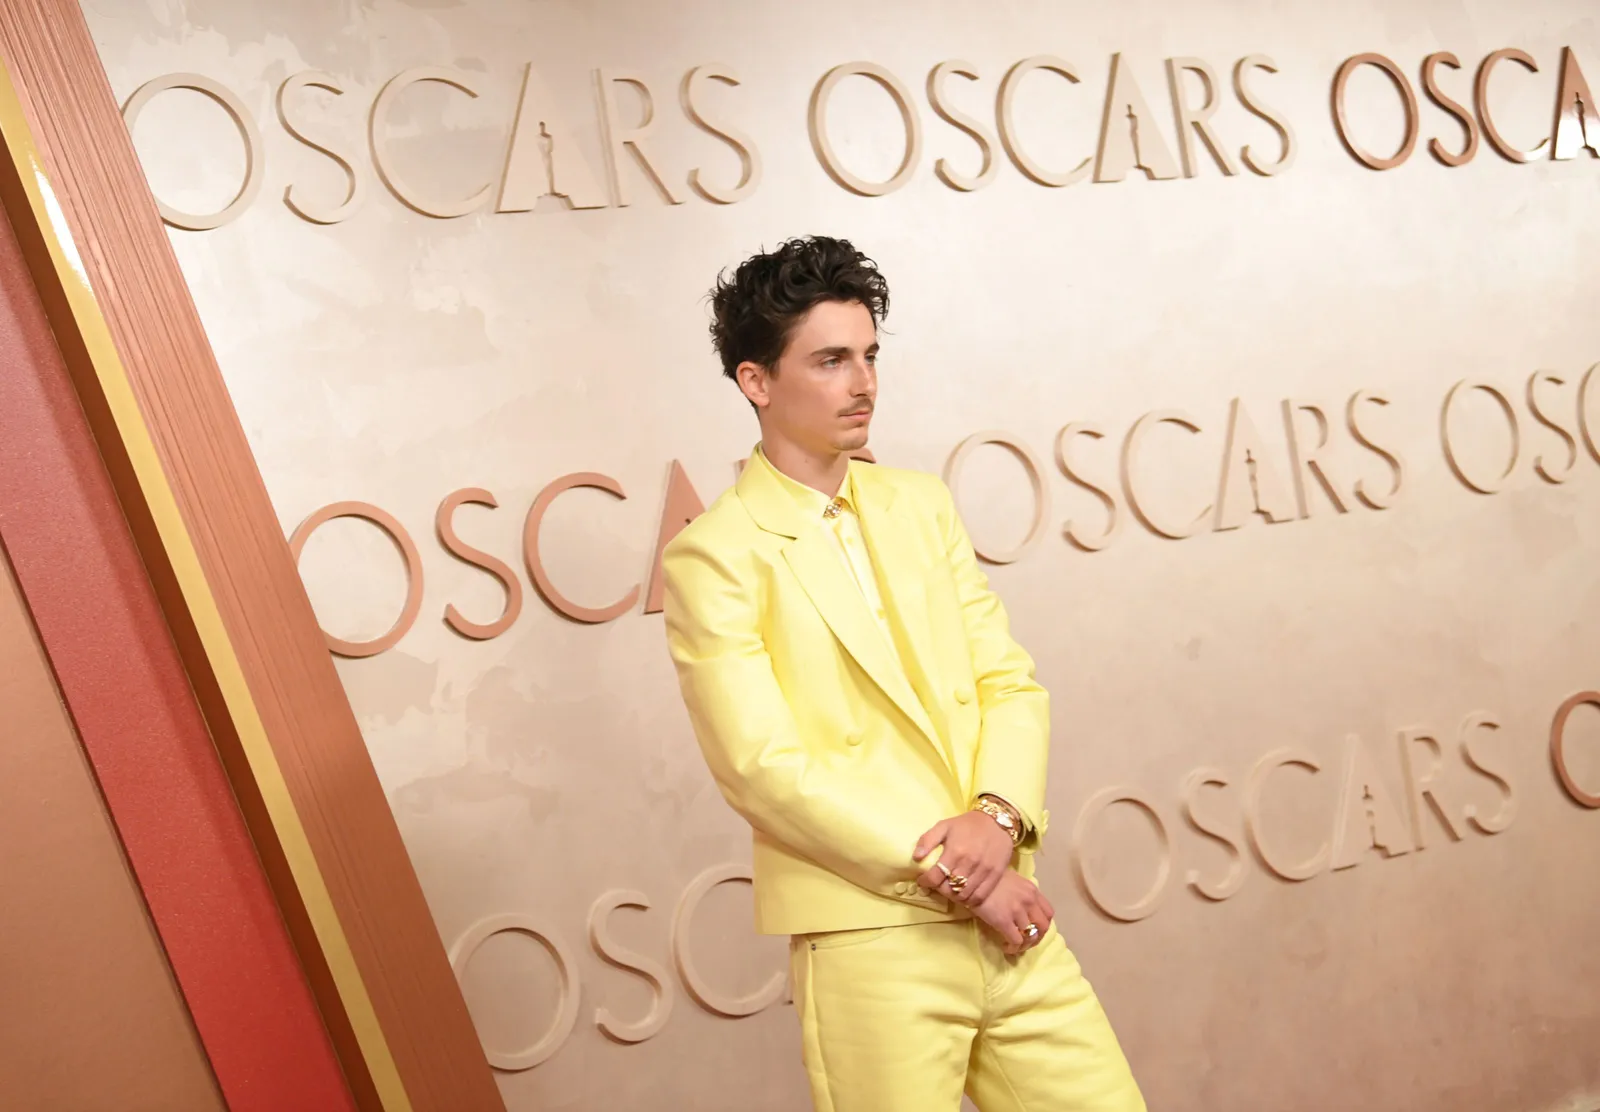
(963, 694)
(853, 739)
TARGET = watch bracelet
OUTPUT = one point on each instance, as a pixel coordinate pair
(989, 805)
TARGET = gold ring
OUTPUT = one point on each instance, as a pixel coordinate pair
(957, 883)
(1031, 932)
(943, 868)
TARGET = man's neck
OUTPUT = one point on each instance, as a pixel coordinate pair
(825, 473)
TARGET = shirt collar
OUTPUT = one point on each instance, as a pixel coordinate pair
(812, 502)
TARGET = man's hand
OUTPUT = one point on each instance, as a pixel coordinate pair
(1015, 904)
(975, 847)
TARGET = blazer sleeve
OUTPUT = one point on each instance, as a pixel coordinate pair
(1014, 737)
(750, 740)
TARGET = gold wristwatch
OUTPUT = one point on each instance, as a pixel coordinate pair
(1003, 814)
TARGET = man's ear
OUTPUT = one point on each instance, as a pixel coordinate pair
(752, 379)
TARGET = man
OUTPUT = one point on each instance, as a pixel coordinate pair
(859, 700)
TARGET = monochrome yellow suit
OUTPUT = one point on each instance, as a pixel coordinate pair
(841, 736)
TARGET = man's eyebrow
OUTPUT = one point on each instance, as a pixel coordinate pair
(842, 349)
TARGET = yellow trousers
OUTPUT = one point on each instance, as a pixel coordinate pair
(904, 1019)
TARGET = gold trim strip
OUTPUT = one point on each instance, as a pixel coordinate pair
(197, 594)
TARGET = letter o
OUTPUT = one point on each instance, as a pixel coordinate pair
(817, 120)
(1146, 905)
(254, 160)
(566, 1013)
(1407, 94)
(1449, 450)
(408, 551)
(1030, 463)
(1558, 749)
(735, 1007)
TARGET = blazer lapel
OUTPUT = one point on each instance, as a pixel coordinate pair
(819, 567)
(889, 536)
(822, 573)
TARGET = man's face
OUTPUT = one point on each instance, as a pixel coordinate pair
(822, 394)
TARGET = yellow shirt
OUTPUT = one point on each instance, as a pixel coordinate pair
(838, 516)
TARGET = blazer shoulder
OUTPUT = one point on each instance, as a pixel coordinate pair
(720, 529)
(927, 489)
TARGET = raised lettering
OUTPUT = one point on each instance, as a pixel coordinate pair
(1397, 467)
(1129, 136)
(1408, 98)
(953, 116)
(444, 524)
(692, 92)
(1256, 107)
(311, 210)
(1197, 121)
(530, 550)
(1130, 448)
(382, 160)
(1008, 126)
(1469, 125)
(651, 972)
(620, 140)
(1480, 94)
(254, 152)
(1070, 469)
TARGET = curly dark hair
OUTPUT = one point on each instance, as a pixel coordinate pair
(755, 309)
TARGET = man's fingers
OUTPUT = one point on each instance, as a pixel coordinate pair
(983, 889)
(931, 879)
(960, 865)
(1012, 935)
(932, 839)
(1045, 906)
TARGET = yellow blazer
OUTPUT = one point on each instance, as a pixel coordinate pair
(839, 756)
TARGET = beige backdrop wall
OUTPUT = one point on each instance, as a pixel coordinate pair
(546, 779)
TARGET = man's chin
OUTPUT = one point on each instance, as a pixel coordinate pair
(853, 441)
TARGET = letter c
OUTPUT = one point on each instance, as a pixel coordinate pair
(1314, 864)
(1130, 451)
(704, 994)
(1006, 117)
(378, 134)
(1480, 93)
(530, 550)
(1558, 749)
